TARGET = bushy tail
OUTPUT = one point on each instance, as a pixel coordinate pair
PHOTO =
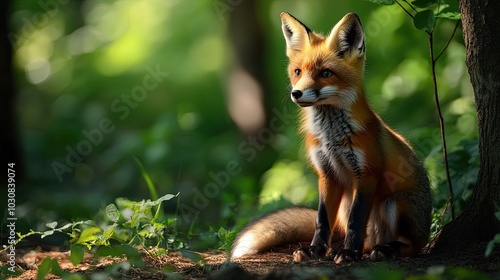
(290, 225)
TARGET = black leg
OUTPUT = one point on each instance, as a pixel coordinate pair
(356, 227)
(319, 245)
(388, 251)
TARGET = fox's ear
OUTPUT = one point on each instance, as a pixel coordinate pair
(295, 32)
(347, 38)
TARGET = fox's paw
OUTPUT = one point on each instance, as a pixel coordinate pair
(345, 255)
(310, 252)
(382, 253)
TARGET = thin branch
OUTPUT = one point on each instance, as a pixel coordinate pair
(410, 14)
(444, 210)
(441, 124)
(411, 6)
(404, 9)
(448, 42)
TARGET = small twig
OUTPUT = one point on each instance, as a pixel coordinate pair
(444, 210)
(404, 9)
(448, 42)
(411, 6)
(441, 124)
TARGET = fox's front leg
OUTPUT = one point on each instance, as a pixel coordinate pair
(356, 226)
(329, 201)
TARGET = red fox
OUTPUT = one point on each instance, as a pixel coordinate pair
(374, 194)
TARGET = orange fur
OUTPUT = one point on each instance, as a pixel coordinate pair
(374, 192)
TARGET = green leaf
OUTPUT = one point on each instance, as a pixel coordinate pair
(52, 225)
(112, 213)
(423, 3)
(76, 254)
(132, 254)
(47, 233)
(161, 252)
(147, 179)
(167, 197)
(87, 235)
(378, 272)
(56, 269)
(108, 251)
(222, 232)
(129, 251)
(169, 268)
(424, 20)
(117, 251)
(44, 268)
(193, 256)
(108, 232)
(383, 2)
(449, 9)
(65, 226)
(489, 248)
(464, 273)
(449, 15)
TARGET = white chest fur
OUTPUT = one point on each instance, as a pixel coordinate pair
(335, 154)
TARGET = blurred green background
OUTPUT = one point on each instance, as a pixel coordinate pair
(197, 90)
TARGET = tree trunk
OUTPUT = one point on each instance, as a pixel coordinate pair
(481, 32)
(246, 98)
(9, 140)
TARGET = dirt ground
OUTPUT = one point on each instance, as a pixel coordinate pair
(277, 264)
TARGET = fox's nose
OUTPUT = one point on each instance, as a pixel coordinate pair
(296, 94)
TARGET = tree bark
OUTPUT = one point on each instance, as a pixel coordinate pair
(481, 32)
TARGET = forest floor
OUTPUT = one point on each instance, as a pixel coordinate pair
(278, 264)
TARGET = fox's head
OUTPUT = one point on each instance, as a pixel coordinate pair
(325, 69)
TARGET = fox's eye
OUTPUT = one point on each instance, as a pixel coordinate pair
(297, 72)
(326, 73)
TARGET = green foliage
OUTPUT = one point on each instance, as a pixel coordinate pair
(4, 272)
(75, 70)
(152, 190)
(287, 180)
(131, 222)
(437, 223)
(227, 237)
(133, 255)
(383, 2)
(426, 12)
(463, 162)
(378, 272)
(112, 233)
(76, 254)
(441, 272)
(424, 20)
(423, 3)
(49, 265)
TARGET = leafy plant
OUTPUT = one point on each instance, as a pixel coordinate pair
(49, 265)
(425, 14)
(227, 237)
(115, 230)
